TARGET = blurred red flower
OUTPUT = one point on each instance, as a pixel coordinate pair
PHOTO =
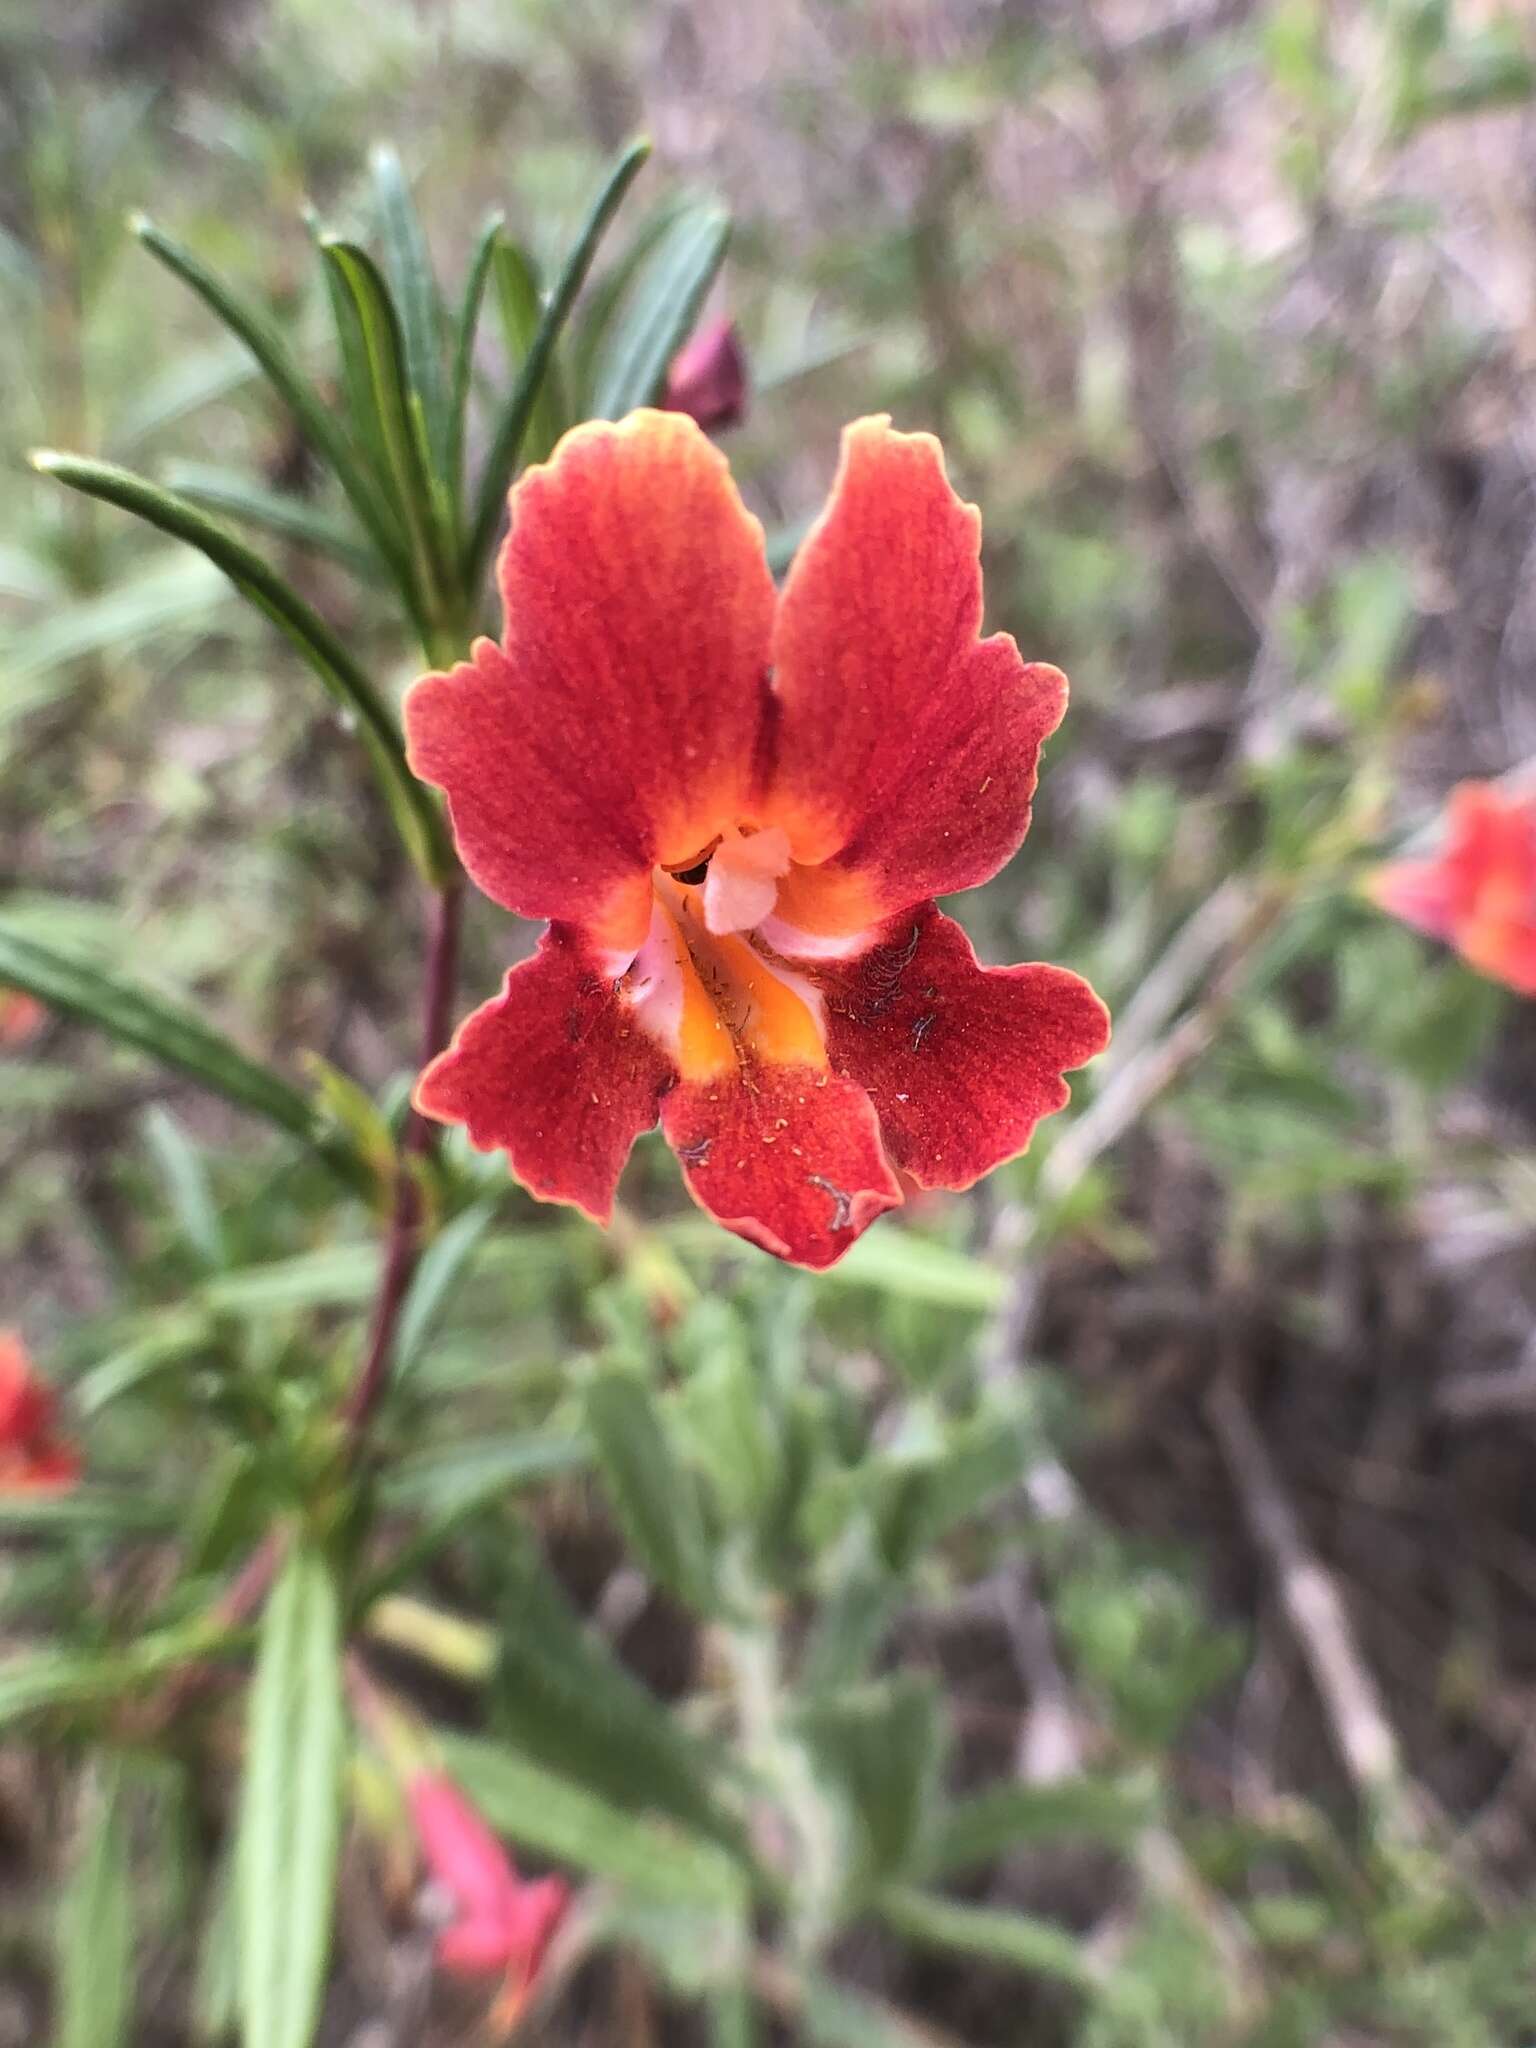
(22, 1016)
(708, 377)
(34, 1457)
(503, 1924)
(1479, 891)
(736, 809)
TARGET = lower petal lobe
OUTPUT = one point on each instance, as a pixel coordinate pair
(960, 1061)
(556, 1073)
(786, 1155)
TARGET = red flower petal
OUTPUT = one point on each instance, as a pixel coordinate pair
(475, 1947)
(1479, 890)
(619, 725)
(786, 1155)
(34, 1457)
(907, 748)
(1417, 891)
(960, 1061)
(556, 1073)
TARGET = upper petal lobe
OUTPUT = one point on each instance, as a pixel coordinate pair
(556, 1073)
(619, 723)
(906, 749)
(960, 1061)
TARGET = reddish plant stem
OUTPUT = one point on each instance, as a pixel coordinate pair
(402, 1245)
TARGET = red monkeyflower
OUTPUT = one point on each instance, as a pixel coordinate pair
(736, 809)
(502, 1923)
(708, 377)
(33, 1456)
(1479, 890)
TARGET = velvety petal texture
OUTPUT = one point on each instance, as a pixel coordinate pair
(737, 809)
(787, 1156)
(555, 1072)
(960, 1061)
(906, 749)
(617, 726)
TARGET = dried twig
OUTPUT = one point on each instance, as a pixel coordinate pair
(1366, 1741)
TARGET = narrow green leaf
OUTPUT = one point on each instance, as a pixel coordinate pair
(174, 1036)
(1027, 1943)
(912, 1268)
(28, 576)
(833, 2016)
(442, 1266)
(275, 512)
(467, 328)
(661, 311)
(169, 593)
(169, 1340)
(33, 1681)
(93, 1510)
(462, 1477)
(399, 425)
(896, 1262)
(289, 1829)
(600, 306)
(415, 811)
(94, 1949)
(356, 383)
(567, 1702)
(882, 1745)
(853, 1617)
(187, 383)
(653, 1494)
(543, 1811)
(409, 269)
(282, 369)
(520, 303)
(215, 1994)
(732, 2017)
(186, 1184)
(982, 1828)
(334, 1276)
(501, 463)
(985, 1459)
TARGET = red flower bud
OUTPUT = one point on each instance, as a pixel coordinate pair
(708, 377)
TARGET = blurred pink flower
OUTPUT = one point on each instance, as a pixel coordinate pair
(504, 1924)
(708, 377)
